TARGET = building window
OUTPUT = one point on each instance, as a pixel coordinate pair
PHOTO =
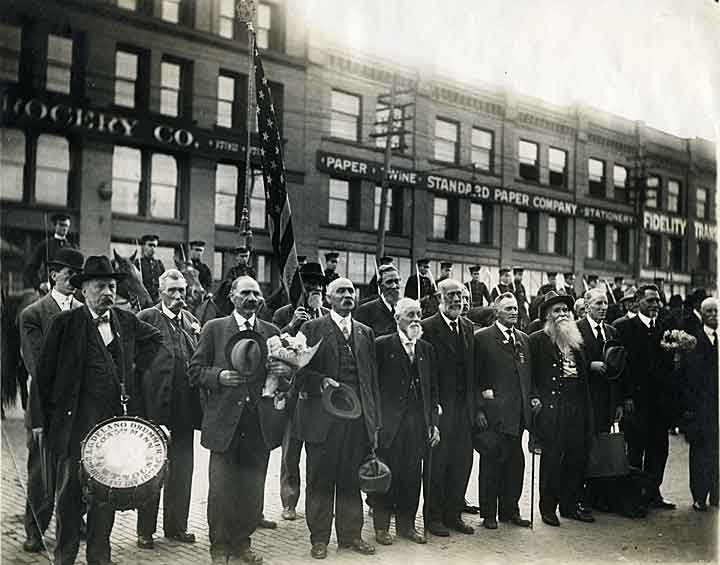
(10, 47)
(52, 170)
(652, 250)
(703, 255)
(338, 212)
(59, 64)
(127, 4)
(163, 186)
(176, 11)
(264, 21)
(231, 100)
(557, 235)
(480, 223)
(482, 149)
(675, 254)
(528, 156)
(557, 160)
(620, 249)
(226, 194)
(171, 87)
(596, 241)
(258, 215)
(674, 200)
(446, 140)
(528, 230)
(652, 192)
(701, 207)
(126, 179)
(126, 77)
(227, 18)
(345, 116)
(382, 126)
(440, 217)
(596, 177)
(620, 179)
(12, 164)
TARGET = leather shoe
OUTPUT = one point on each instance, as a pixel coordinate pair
(578, 515)
(662, 504)
(267, 524)
(145, 542)
(246, 555)
(438, 529)
(319, 550)
(697, 506)
(359, 545)
(383, 537)
(33, 544)
(490, 523)
(520, 522)
(184, 537)
(289, 514)
(413, 535)
(550, 518)
(460, 526)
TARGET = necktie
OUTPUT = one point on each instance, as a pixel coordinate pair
(346, 331)
(101, 321)
(652, 324)
(600, 335)
(410, 348)
(511, 337)
(715, 343)
(454, 327)
(248, 325)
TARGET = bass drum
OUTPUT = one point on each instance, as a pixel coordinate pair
(124, 461)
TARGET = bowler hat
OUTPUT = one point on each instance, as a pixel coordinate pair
(68, 257)
(96, 267)
(313, 271)
(374, 475)
(342, 402)
(615, 358)
(552, 298)
(246, 352)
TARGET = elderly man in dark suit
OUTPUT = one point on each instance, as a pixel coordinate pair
(650, 391)
(408, 396)
(290, 320)
(564, 423)
(504, 401)
(452, 337)
(34, 324)
(89, 358)
(170, 402)
(335, 446)
(379, 314)
(231, 427)
(700, 400)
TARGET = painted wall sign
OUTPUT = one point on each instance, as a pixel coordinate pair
(704, 231)
(662, 223)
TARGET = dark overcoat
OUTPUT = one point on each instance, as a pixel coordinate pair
(376, 315)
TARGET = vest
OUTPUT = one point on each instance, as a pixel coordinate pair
(179, 403)
(348, 364)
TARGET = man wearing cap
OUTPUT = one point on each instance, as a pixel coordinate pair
(423, 278)
(570, 284)
(331, 262)
(231, 429)
(197, 248)
(170, 402)
(34, 324)
(150, 268)
(629, 304)
(542, 291)
(408, 393)
(336, 446)
(373, 286)
(693, 320)
(504, 285)
(564, 423)
(479, 294)
(290, 320)
(242, 268)
(452, 337)
(522, 297)
(591, 282)
(90, 357)
(36, 271)
(446, 268)
(379, 314)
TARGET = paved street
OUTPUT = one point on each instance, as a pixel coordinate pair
(679, 536)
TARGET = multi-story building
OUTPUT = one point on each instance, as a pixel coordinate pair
(132, 113)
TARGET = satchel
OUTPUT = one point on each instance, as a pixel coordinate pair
(608, 457)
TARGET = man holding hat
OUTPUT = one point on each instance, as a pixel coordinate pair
(197, 248)
(36, 272)
(379, 314)
(34, 324)
(564, 423)
(335, 442)
(90, 357)
(150, 268)
(331, 262)
(479, 294)
(229, 364)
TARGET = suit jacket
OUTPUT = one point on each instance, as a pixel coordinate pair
(394, 375)
(151, 269)
(283, 316)
(499, 367)
(426, 287)
(478, 293)
(62, 362)
(700, 391)
(312, 421)
(157, 380)
(224, 405)
(546, 375)
(437, 332)
(376, 315)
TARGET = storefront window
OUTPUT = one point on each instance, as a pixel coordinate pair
(10, 45)
(226, 191)
(339, 202)
(163, 187)
(52, 170)
(126, 178)
(12, 164)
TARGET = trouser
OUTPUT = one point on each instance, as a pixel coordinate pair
(404, 457)
(502, 479)
(70, 507)
(704, 469)
(40, 491)
(332, 480)
(564, 454)
(176, 490)
(451, 465)
(290, 468)
(648, 449)
(236, 483)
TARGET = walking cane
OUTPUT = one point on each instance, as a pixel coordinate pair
(532, 490)
(426, 491)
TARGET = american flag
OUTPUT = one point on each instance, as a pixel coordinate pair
(278, 205)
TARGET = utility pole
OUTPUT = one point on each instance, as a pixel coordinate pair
(386, 173)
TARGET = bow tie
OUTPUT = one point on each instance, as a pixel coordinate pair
(99, 321)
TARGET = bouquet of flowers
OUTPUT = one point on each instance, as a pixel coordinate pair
(677, 342)
(291, 350)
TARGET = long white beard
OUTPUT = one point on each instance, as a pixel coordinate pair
(564, 334)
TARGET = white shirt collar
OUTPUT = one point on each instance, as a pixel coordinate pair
(631, 314)
(61, 299)
(95, 315)
(593, 324)
(56, 236)
(709, 332)
(341, 322)
(404, 339)
(448, 321)
(504, 329)
(645, 320)
(169, 313)
(241, 320)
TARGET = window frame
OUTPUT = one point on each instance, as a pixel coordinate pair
(456, 142)
(526, 171)
(564, 173)
(653, 254)
(485, 224)
(184, 89)
(678, 198)
(705, 206)
(238, 105)
(13, 55)
(358, 118)
(490, 150)
(141, 84)
(597, 187)
(620, 192)
(348, 205)
(657, 190)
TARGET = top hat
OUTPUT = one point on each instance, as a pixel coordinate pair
(313, 271)
(342, 402)
(59, 217)
(246, 352)
(615, 358)
(68, 257)
(552, 298)
(96, 267)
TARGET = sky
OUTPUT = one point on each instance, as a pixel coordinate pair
(652, 60)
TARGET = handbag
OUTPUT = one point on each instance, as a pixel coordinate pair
(608, 457)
